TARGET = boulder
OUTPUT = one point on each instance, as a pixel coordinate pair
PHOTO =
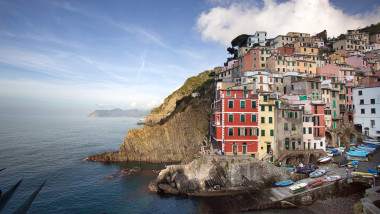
(306, 200)
(173, 177)
(168, 189)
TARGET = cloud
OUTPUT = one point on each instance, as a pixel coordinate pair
(222, 24)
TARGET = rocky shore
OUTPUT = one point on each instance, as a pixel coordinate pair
(211, 175)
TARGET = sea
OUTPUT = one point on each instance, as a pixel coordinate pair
(54, 148)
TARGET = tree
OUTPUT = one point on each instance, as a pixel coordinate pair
(341, 36)
(236, 43)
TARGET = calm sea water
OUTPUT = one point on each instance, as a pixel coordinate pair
(52, 149)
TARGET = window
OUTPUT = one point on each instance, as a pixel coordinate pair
(230, 118)
(283, 113)
(262, 108)
(228, 93)
(316, 85)
(292, 87)
(270, 108)
(253, 104)
(295, 114)
(262, 119)
(334, 104)
(372, 101)
(360, 92)
(287, 144)
(362, 111)
(312, 85)
(282, 80)
(270, 120)
(293, 127)
(262, 132)
(253, 117)
(290, 114)
(321, 144)
(230, 103)
(265, 98)
(372, 124)
(242, 118)
(285, 126)
(242, 104)
(310, 130)
(271, 132)
(230, 132)
(315, 110)
(361, 102)
(304, 130)
(373, 111)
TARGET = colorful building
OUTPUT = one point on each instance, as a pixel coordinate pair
(235, 126)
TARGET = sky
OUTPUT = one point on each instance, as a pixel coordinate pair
(73, 57)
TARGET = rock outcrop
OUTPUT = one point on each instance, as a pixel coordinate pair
(221, 175)
(176, 137)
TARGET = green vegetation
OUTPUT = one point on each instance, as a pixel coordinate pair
(190, 85)
(371, 29)
(360, 140)
(358, 207)
(214, 161)
(232, 161)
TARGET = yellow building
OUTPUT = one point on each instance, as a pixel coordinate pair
(305, 48)
(267, 103)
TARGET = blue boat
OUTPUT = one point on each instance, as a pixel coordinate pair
(287, 167)
(353, 163)
(284, 183)
(331, 149)
(337, 154)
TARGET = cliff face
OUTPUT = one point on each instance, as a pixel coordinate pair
(176, 137)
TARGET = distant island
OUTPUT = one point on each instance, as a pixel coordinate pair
(120, 113)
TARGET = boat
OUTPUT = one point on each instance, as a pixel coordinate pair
(337, 154)
(362, 174)
(315, 183)
(298, 187)
(371, 141)
(331, 149)
(291, 168)
(340, 149)
(317, 173)
(366, 149)
(353, 143)
(324, 159)
(353, 163)
(353, 158)
(332, 178)
(373, 171)
(305, 170)
(284, 183)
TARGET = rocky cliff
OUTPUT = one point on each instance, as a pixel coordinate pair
(179, 134)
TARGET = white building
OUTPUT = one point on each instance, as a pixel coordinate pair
(367, 110)
(259, 37)
(263, 80)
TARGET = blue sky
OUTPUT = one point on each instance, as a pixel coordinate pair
(78, 56)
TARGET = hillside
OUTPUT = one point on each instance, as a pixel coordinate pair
(175, 137)
(170, 103)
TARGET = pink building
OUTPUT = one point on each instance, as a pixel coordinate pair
(251, 60)
(330, 71)
(359, 63)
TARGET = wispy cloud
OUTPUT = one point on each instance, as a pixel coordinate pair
(142, 65)
(222, 24)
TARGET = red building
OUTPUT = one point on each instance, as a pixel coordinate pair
(318, 111)
(235, 122)
(286, 49)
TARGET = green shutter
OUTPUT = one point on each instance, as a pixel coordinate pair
(271, 132)
(262, 132)
(262, 119)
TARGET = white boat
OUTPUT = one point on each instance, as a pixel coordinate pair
(324, 159)
(340, 149)
(317, 173)
(298, 187)
(332, 178)
(371, 141)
